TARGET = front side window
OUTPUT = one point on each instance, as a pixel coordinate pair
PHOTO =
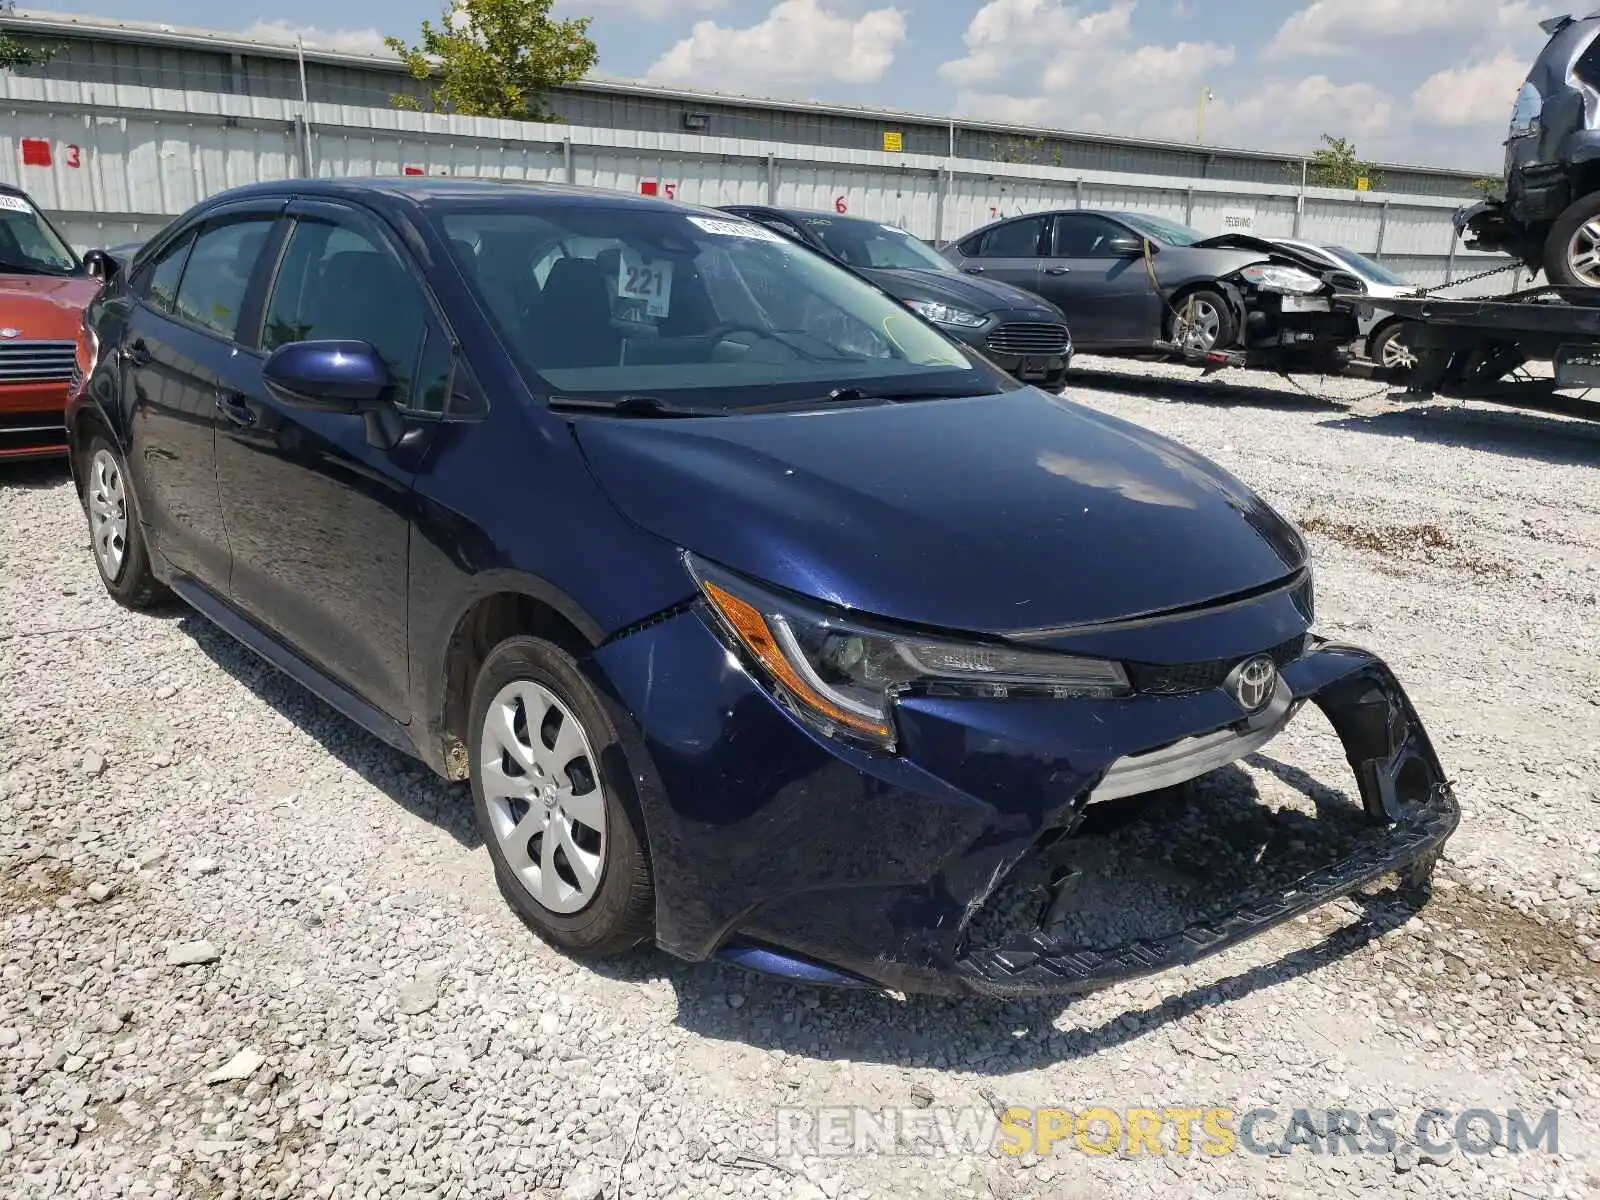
(1083, 235)
(216, 278)
(1015, 239)
(339, 283)
(600, 301)
(157, 281)
(28, 243)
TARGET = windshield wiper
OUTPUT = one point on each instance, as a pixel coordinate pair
(855, 395)
(16, 268)
(629, 406)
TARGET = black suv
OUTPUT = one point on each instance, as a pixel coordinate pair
(1021, 333)
(1550, 216)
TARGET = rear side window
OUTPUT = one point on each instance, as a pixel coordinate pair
(337, 283)
(158, 281)
(1017, 239)
(1587, 68)
(216, 280)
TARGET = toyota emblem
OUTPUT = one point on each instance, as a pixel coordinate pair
(9, 332)
(1253, 683)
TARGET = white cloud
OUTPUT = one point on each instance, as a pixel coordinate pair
(1073, 64)
(352, 41)
(1477, 94)
(1349, 26)
(654, 10)
(799, 41)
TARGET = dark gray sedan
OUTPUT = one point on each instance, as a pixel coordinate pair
(1127, 281)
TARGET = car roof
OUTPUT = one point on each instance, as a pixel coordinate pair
(421, 190)
(810, 214)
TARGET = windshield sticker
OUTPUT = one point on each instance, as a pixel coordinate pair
(14, 204)
(739, 229)
(650, 282)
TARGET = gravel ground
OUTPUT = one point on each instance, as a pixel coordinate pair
(249, 952)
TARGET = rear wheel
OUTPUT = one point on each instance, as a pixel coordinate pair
(1201, 321)
(1572, 251)
(115, 536)
(554, 801)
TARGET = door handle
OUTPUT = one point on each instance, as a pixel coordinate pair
(973, 270)
(235, 406)
(1058, 270)
(136, 354)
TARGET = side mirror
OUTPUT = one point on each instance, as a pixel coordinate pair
(100, 265)
(1129, 247)
(340, 377)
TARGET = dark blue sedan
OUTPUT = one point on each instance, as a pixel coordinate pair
(766, 622)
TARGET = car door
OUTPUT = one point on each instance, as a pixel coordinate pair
(1106, 292)
(1008, 252)
(177, 352)
(317, 503)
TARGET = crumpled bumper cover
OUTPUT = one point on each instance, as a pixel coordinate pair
(871, 868)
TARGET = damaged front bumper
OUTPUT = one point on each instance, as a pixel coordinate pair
(812, 860)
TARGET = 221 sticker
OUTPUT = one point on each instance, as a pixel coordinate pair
(647, 281)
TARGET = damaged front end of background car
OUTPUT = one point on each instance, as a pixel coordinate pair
(1285, 310)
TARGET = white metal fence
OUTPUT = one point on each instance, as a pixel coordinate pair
(112, 164)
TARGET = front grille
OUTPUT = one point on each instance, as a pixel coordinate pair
(1182, 678)
(37, 362)
(1029, 339)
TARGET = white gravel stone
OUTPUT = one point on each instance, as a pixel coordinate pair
(190, 954)
(241, 1066)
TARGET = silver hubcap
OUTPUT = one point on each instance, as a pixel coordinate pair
(1199, 324)
(1396, 353)
(108, 514)
(1583, 253)
(541, 783)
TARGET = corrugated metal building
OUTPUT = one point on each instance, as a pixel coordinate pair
(91, 50)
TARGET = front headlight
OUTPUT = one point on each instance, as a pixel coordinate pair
(946, 314)
(1525, 113)
(1274, 277)
(842, 676)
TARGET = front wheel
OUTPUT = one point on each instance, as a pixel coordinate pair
(1392, 347)
(1572, 250)
(1201, 321)
(120, 553)
(554, 801)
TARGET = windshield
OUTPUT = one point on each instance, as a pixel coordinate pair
(28, 244)
(866, 244)
(709, 311)
(1157, 229)
(1365, 266)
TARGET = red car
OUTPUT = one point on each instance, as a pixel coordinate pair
(44, 288)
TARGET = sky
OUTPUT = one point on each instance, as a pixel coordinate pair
(1409, 81)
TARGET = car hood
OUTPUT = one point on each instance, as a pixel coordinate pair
(44, 307)
(950, 287)
(993, 514)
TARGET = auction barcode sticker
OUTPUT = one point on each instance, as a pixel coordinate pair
(14, 204)
(741, 229)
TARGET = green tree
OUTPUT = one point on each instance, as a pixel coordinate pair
(1335, 165)
(16, 53)
(497, 58)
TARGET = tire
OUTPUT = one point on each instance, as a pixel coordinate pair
(1390, 347)
(1572, 249)
(565, 834)
(1218, 328)
(115, 534)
